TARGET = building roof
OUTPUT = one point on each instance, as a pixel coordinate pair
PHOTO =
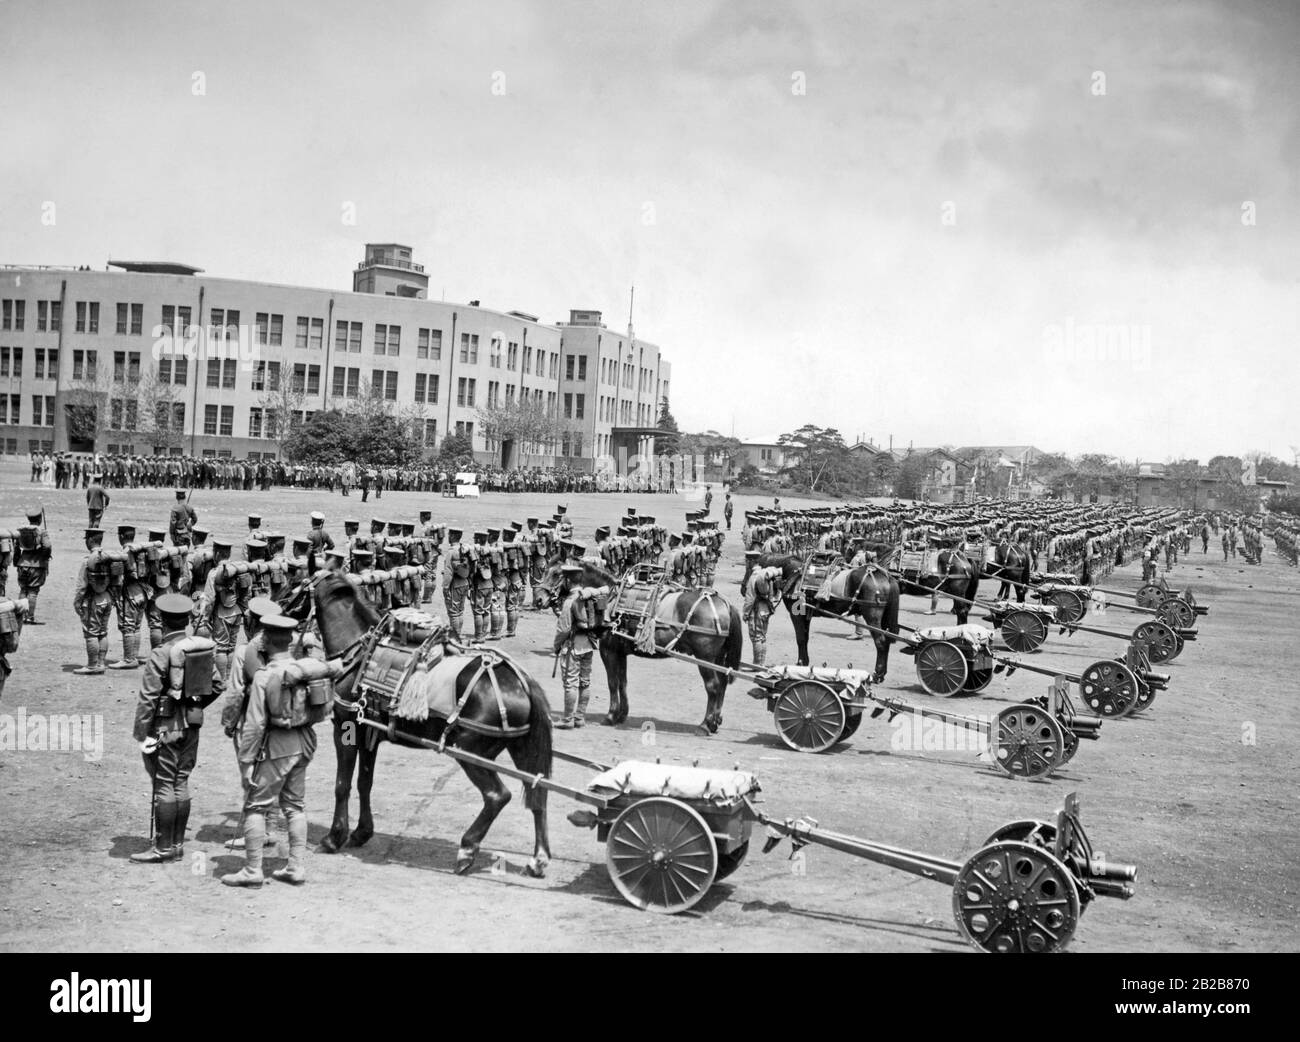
(156, 267)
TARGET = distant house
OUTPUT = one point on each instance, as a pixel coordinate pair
(769, 456)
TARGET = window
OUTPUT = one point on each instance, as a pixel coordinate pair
(225, 324)
(582, 367)
(512, 356)
(270, 328)
(494, 353)
(227, 420)
(317, 338)
(87, 316)
(346, 382)
(4, 409)
(228, 373)
(272, 376)
(390, 385)
(564, 444)
(338, 384)
(176, 319)
(299, 382)
(47, 316)
(259, 376)
(388, 339)
(254, 423)
(465, 429)
(469, 348)
(164, 370)
(272, 430)
(555, 365)
(11, 361)
(12, 314)
(430, 345)
(550, 402)
(578, 405)
(180, 371)
(494, 389)
(510, 393)
(347, 337)
(85, 365)
(277, 330)
(178, 419)
(528, 357)
(214, 372)
(430, 432)
(568, 367)
(576, 447)
(420, 379)
(460, 392)
(300, 339)
(568, 406)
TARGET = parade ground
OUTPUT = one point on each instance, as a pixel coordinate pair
(1199, 791)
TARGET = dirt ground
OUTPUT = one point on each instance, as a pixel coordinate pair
(1199, 792)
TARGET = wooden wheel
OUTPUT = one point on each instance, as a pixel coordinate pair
(1109, 688)
(1027, 741)
(1150, 596)
(1023, 631)
(977, 680)
(941, 667)
(809, 716)
(661, 856)
(1162, 642)
(1015, 897)
(1068, 604)
(728, 863)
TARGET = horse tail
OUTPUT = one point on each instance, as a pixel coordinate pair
(536, 754)
(734, 649)
(889, 617)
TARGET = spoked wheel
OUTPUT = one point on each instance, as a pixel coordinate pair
(851, 725)
(809, 716)
(1023, 631)
(1068, 604)
(1109, 689)
(728, 863)
(1150, 596)
(977, 680)
(1027, 741)
(1179, 644)
(661, 855)
(1162, 642)
(1015, 897)
(941, 667)
(1177, 614)
(1146, 695)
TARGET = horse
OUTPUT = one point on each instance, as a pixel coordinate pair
(956, 576)
(868, 592)
(517, 720)
(694, 621)
(1010, 565)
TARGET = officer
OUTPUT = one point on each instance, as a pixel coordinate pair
(96, 501)
(93, 604)
(708, 498)
(762, 596)
(277, 740)
(576, 638)
(182, 519)
(168, 716)
(728, 507)
(563, 526)
(34, 554)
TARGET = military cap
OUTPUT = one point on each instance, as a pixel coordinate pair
(174, 604)
(94, 533)
(300, 544)
(579, 549)
(362, 554)
(221, 544)
(351, 524)
(508, 535)
(180, 493)
(279, 622)
(571, 567)
(263, 606)
(426, 515)
(561, 511)
(336, 554)
(157, 534)
(126, 530)
(517, 526)
(454, 533)
(377, 521)
(602, 532)
(532, 520)
(34, 515)
(480, 537)
(646, 520)
(493, 534)
(631, 511)
(256, 542)
(674, 539)
(200, 530)
(254, 518)
(317, 517)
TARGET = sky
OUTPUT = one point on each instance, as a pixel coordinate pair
(1072, 225)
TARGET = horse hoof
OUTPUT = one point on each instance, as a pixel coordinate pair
(465, 861)
(702, 730)
(536, 869)
(714, 725)
(610, 721)
(360, 838)
(331, 844)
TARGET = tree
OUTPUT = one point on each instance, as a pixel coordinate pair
(811, 453)
(717, 450)
(160, 421)
(668, 440)
(454, 449)
(913, 470)
(327, 437)
(526, 421)
(86, 402)
(1184, 479)
(281, 405)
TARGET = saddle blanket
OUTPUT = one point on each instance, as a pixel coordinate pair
(638, 778)
(850, 677)
(971, 633)
(1072, 587)
(1002, 607)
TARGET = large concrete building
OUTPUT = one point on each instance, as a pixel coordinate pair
(149, 357)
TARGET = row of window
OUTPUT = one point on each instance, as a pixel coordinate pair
(9, 446)
(11, 407)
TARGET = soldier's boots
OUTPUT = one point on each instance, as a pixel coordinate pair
(454, 624)
(498, 630)
(254, 840)
(31, 596)
(580, 713)
(130, 652)
(760, 652)
(480, 627)
(164, 847)
(512, 623)
(295, 871)
(94, 659)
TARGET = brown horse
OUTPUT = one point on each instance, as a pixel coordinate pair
(695, 622)
(869, 593)
(517, 721)
(953, 575)
(1011, 565)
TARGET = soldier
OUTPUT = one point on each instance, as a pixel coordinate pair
(168, 717)
(432, 536)
(7, 539)
(350, 536)
(727, 508)
(761, 599)
(198, 563)
(93, 604)
(539, 546)
(130, 597)
(96, 501)
(576, 638)
(34, 554)
(708, 498)
(516, 562)
(254, 524)
(455, 580)
(563, 526)
(160, 583)
(257, 554)
(182, 519)
(482, 590)
(221, 613)
(277, 740)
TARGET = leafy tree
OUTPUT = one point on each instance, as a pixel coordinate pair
(668, 440)
(913, 469)
(454, 448)
(281, 406)
(157, 413)
(87, 407)
(527, 421)
(812, 454)
(327, 437)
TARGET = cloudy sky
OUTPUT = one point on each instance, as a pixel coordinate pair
(917, 219)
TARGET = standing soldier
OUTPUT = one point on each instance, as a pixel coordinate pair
(182, 519)
(220, 612)
(761, 599)
(277, 740)
(366, 478)
(576, 638)
(481, 591)
(254, 524)
(728, 507)
(516, 562)
(34, 554)
(433, 536)
(496, 555)
(455, 580)
(7, 538)
(317, 537)
(708, 498)
(93, 604)
(130, 598)
(160, 584)
(96, 501)
(540, 558)
(168, 717)
(563, 526)
(198, 563)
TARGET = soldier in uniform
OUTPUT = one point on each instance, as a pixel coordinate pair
(433, 536)
(727, 508)
(254, 524)
(96, 502)
(34, 554)
(455, 581)
(481, 589)
(198, 563)
(576, 639)
(516, 562)
(221, 612)
(563, 526)
(160, 583)
(182, 520)
(167, 722)
(277, 740)
(130, 597)
(93, 604)
(762, 596)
